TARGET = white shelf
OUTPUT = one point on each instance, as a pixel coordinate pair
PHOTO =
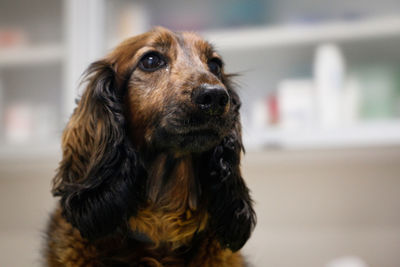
(30, 151)
(292, 35)
(366, 134)
(31, 55)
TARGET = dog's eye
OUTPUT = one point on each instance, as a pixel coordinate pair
(152, 62)
(215, 66)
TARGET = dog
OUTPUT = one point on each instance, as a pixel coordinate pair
(150, 173)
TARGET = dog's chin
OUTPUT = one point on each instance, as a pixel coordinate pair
(195, 141)
(198, 141)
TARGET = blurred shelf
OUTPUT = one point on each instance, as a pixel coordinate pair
(29, 151)
(31, 55)
(292, 35)
(365, 134)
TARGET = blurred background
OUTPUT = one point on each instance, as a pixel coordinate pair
(320, 86)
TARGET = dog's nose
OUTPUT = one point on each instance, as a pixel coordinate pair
(211, 99)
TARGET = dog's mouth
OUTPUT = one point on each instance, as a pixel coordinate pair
(198, 140)
(191, 134)
(199, 136)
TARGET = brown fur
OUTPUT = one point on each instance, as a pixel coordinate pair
(171, 216)
(172, 226)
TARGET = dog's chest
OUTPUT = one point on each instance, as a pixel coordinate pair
(172, 228)
(172, 215)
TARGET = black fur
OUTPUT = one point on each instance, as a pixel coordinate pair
(230, 205)
(101, 197)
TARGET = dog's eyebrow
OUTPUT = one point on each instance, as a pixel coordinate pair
(163, 41)
(206, 49)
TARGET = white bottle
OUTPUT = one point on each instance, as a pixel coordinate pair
(329, 76)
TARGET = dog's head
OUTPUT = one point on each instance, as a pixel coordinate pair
(178, 97)
(161, 92)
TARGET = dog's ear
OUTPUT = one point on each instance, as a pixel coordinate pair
(229, 201)
(99, 175)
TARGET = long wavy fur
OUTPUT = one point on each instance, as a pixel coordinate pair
(103, 182)
(99, 177)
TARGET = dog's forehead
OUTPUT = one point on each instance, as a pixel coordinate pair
(193, 41)
(166, 39)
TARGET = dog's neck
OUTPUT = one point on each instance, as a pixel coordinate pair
(173, 196)
(173, 182)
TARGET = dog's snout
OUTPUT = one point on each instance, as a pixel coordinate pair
(211, 99)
